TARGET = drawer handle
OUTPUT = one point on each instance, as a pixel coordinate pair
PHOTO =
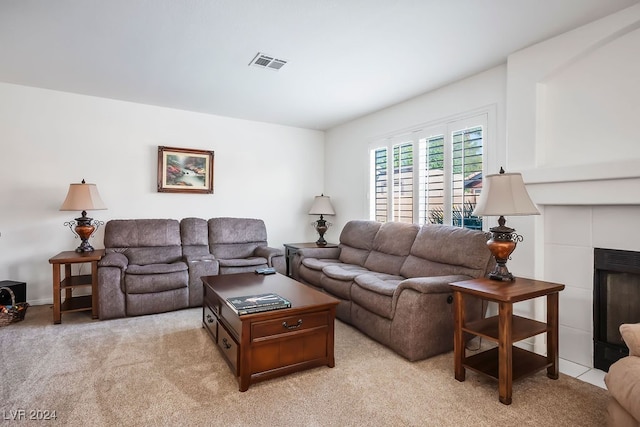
(226, 344)
(209, 318)
(297, 325)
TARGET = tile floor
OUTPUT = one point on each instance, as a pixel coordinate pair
(584, 373)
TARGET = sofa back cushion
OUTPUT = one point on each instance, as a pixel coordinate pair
(356, 241)
(144, 241)
(231, 238)
(444, 250)
(391, 245)
(194, 233)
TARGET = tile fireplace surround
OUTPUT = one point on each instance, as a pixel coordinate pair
(579, 215)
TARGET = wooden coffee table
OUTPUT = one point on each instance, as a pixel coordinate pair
(270, 344)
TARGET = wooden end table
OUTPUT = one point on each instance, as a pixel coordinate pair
(270, 344)
(506, 363)
(70, 282)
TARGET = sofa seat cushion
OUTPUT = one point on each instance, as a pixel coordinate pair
(242, 262)
(381, 283)
(374, 292)
(345, 272)
(623, 382)
(152, 283)
(319, 263)
(337, 288)
(157, 268)
(151, 255)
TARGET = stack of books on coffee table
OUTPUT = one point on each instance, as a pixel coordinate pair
(248, 304)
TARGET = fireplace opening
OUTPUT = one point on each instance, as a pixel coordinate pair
(616, 299)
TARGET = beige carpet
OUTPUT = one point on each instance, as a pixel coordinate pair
(164, 370)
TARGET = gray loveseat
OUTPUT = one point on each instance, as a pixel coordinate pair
(393, 278)
(155, 265)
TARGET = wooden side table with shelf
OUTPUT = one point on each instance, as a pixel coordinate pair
(70, 282)
(506, 362)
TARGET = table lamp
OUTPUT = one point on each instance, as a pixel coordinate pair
(83, 197)
(321, 206)
(503, 194)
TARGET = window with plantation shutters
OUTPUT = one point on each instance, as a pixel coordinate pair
(380, 184)
(466, 176)
(403, 183)
(393, 165)
(432, 183)
(433, 175)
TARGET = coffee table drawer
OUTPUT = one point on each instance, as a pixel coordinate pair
(211, 301)
(288, 324)
(229, 348)
(210, 322)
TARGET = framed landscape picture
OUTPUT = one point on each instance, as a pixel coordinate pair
(183, 170)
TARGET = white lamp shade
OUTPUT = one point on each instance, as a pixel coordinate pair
(321, 206)
(82, 197)
(504, 194)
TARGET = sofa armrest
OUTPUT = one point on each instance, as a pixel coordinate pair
(320, 253)
(114, 259)
(431, 285)
(269, 253)
(199, 266)
(111, 298)
(474, 307)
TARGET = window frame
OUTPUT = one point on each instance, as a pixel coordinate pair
(484, 117)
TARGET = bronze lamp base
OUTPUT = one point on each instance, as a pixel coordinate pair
(321, 227)
(502, 244)
(84, 229)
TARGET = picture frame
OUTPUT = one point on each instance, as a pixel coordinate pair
(185, 170)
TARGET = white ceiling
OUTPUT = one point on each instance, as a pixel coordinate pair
(346, 58)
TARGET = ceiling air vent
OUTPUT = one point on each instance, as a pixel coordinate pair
(265, 61)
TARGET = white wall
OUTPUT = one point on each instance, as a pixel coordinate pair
(575, 93)
(346, 149)
(51, 139)
(572, 124)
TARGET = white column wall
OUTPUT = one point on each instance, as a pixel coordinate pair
(572, 111)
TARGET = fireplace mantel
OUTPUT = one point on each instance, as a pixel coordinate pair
(613, 183)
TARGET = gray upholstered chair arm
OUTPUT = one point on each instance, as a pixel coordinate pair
(320, 253)
(199, 266)
(268, 253)
(426, 285)
(430, 285)
(114, 259)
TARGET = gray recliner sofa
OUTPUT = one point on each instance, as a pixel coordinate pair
(155, 265)
(393, 278)
(240, 245)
